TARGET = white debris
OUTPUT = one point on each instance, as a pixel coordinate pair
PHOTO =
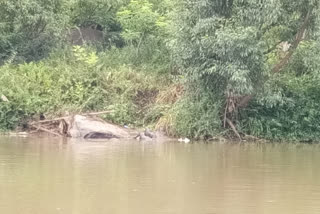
(184, 140)
(4, 98)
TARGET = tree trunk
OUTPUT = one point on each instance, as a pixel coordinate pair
(278, 67)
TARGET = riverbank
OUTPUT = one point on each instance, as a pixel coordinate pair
(194, 70)
(150, 95)
(70, 83)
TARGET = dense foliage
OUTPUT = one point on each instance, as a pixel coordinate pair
(230, 52)
(197, 68)
(29, 28)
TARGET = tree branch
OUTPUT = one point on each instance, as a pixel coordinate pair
(299, 37)
(234, 129)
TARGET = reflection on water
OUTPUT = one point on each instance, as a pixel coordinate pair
(45, 176)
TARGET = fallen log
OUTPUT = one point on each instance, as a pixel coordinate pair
(67, 117)
(49, 121)
(46, 130)
(97, 113)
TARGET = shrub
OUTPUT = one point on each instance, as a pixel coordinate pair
(293, 115)
(76, 82)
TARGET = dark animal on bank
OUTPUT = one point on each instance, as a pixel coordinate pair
(148, 133)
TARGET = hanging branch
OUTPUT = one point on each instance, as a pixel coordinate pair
(299, 37)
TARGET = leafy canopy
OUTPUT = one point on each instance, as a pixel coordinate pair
(28, 28)
(139, 20)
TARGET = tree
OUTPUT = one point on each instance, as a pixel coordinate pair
(98, 13)
(29, 28)
(222, 45)
(139, 21)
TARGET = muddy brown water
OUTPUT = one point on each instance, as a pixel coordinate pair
(52, 176)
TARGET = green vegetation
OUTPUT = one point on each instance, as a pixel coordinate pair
(30, 28)
(78, 81)
(193, 68)
(241, 75)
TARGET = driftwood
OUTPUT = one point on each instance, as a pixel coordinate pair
(65, 118)
(85, 126)
(48, 121)
(97, 113)
(58, 126)
(46, 130)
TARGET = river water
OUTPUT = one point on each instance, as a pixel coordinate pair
(53, 176)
